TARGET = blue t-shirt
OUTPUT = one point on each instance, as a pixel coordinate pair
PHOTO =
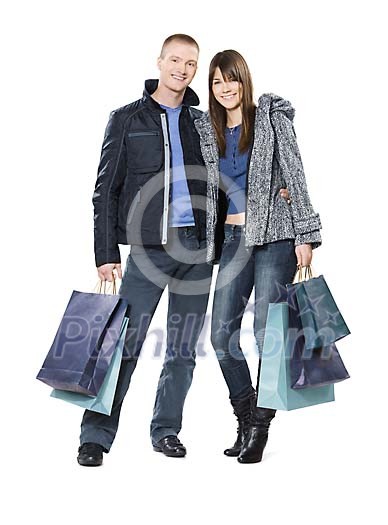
(180, 210)
(233, 170)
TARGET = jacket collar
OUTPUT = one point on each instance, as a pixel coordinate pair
(190, 97)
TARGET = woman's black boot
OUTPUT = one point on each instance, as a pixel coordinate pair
(242, 409)
(257, 436)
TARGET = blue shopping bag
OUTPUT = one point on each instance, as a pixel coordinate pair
(275, 375)
(104, 400)
(83, 347)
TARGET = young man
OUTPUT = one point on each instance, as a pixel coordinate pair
(150, 193)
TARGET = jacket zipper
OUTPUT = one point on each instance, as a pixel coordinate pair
(166, 177)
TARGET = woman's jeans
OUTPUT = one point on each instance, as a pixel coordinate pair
(269, 268)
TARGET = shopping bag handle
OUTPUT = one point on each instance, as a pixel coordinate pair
(100, 285)
(307, 271)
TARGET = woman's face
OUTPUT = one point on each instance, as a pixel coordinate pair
(228, 94)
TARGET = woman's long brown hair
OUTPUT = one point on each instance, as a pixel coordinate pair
(233, 67)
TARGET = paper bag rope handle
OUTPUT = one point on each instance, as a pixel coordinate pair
(100, 285)
(299, 273)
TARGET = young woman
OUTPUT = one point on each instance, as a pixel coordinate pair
(251, 155)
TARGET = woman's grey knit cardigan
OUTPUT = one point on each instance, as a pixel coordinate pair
(275, 163)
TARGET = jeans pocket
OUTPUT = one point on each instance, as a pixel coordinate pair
(228, 234)
(281, 251)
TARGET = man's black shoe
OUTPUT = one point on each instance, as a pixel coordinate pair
(171, 447)
(90, 455)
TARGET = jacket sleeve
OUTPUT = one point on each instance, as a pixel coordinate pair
(306, 222)
(110, 176)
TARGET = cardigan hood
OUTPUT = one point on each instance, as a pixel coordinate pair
(274, 138)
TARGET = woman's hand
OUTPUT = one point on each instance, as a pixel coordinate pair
(304, 254)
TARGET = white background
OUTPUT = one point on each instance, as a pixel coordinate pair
(66, 65)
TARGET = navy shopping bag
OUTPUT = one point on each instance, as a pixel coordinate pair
(83, 347)
(310, 367)
(322, 322)
(103, 402)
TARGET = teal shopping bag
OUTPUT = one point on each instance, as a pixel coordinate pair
(322, 322)
(275, 378)
(104, 400)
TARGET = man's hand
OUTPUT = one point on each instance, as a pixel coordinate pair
(284, 193)
(105, 272)
(304, 254)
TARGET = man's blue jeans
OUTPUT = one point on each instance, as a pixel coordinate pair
(180, 264)
(268, 268)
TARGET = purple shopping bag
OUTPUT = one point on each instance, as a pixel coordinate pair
(82, 350)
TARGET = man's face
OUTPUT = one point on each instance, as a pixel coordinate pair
(178, 66)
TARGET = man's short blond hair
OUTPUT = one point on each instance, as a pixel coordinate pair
(180, 37)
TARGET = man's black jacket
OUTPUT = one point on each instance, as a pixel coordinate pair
(133, 185)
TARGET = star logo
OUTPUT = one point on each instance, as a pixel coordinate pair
(311, 306)
(334, 318)
(280, 293)
(224, 326)
(291, 297)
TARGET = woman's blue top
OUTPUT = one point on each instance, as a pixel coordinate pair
(233, 170)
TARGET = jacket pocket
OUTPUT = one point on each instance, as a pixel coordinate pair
(282, 202)
(281, 216)
(144, 151)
